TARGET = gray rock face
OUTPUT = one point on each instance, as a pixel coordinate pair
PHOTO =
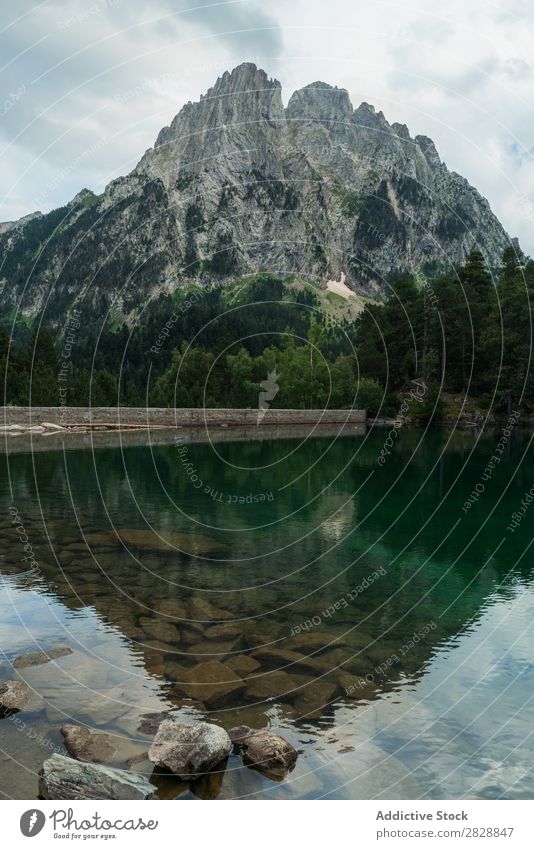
(189, 750)
(14, 695)
(64, 778)
(237, 184)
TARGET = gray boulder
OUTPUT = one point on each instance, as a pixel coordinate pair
(64, 778)
(189, 750)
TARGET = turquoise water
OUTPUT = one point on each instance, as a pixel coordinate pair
(408, 612)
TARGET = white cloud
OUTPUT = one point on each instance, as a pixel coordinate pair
(100, 78)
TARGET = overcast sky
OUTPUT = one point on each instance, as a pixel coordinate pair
(87, 84)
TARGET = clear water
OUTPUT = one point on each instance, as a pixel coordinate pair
(410, 616)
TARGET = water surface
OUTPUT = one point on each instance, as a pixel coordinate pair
(388, 624)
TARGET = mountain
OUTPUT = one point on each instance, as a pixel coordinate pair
(238, 184)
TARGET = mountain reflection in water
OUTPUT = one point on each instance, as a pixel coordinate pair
(361, 611)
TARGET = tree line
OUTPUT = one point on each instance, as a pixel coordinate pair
(467, 332)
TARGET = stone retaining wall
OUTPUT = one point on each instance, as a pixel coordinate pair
(69, 440)
(165, 417)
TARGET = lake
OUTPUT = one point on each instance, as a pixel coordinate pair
(377, 615)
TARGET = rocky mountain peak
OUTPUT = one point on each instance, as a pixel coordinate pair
(367, 116)
(429, 150)
(244, 78)
(401, 131)
(241, 98)
(237, 184)
(320, 102)
(246, 93)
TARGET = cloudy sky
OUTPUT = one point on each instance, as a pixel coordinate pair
(87, 84)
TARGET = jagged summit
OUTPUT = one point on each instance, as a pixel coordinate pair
(321, 102)
(247, 91)
(244, 77)
(238, 184)
(242, 96)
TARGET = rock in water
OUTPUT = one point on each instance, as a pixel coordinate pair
(189, 750)
(267, 752)
(64, 778)
(313, 699)
(88, 746)
(35, 658)
(239, 733)
(14, 695)
(150, 722)
(212, 682)
(242, 665)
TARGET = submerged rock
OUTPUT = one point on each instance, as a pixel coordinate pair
(175, 671)
(212, 683)
(85, 745)
(164, 649)
(275, 684)
(64, 778)
(150, 722)
(173, 608)
(159, 629)
(310, 642)
(224, 631)
(239, 733)
(189, 749)
(150, 541)
(265, 751)
(189, 706)
(278, 655)
(140, 763)
(204, 611)
(35, 658)
(14, 695)
(214, 649)
(243, 665)
(356, 686)
(312, 701)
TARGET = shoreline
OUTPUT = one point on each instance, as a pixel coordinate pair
(26, 441)
(37, 428)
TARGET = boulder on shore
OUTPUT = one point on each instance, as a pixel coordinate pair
(265, 751)
(64, 778)
(14, 695)
(189, 749)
